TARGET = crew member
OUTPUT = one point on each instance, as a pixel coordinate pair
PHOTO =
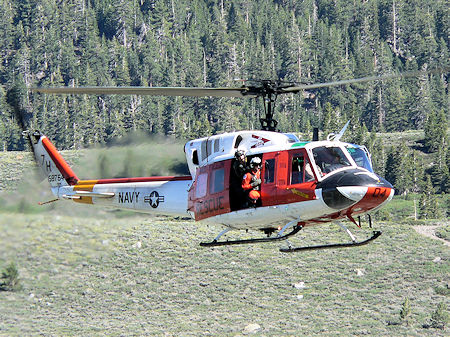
(240, 164)
(239, 168)
(251, 182)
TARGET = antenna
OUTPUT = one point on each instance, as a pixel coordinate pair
(315, 134)
(337, 137)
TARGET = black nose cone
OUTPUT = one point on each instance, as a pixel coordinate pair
(335, 187)
(335, 199)
(353, 177)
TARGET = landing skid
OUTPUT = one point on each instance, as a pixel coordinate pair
(279, 237)
(291, 249)
(296, 227)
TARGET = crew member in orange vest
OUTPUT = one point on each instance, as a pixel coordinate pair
(251, 182)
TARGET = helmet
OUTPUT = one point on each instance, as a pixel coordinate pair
(256, 161)
(239, 153)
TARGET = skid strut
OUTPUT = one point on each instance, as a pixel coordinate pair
(279, 237)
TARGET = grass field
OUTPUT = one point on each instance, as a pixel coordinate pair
(132, 275)
(85, 271)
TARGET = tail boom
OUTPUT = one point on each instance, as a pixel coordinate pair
(156, 195)
(164, 195)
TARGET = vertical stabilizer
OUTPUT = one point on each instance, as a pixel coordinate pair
(50, 161)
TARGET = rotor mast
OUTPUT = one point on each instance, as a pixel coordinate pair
(269, 91)
(269, 97)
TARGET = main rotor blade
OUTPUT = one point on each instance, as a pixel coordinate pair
(151, 91)
(361, 80)
(245, 91)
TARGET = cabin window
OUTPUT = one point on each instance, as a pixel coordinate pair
(291, 138)
(210, 147)
(202, 183)
(269, 174)
(216, 145)
(204, 149)
(195, 157)
(300, 170)
(217, 181)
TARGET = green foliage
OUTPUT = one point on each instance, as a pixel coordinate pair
(443, 232)
(440, 317)
(403, 169)
(405, 312)
(9, 279)
(212, 43)
(436, 131)
(153, 269)
(442, 290)
(428, 203)
(204, 43)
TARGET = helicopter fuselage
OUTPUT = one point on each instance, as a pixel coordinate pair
(303, 182)
(306, 182)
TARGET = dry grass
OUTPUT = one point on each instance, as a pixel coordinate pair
(86, 271)
(137, 276)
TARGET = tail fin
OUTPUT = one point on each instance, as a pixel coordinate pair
(50, 161)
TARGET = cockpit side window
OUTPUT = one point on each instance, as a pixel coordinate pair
(329, 159)
(360, 157)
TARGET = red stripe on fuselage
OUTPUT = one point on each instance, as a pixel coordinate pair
(59, 161)
(143, 179)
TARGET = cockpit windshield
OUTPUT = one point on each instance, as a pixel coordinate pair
(359, 155)
(329, 159)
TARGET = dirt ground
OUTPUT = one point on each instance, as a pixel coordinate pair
(430, 231)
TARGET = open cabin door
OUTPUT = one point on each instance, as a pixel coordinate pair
(209, 194)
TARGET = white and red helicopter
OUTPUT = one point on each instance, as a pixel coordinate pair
(303, 183)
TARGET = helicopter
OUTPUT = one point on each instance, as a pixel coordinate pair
(302, 183)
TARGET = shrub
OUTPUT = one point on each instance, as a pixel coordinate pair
(445, 290)
(439, 319)
(443, 233)
(9, 280)
(405, 312)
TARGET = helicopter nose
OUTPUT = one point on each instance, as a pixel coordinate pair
(355, 193)
(349, 187)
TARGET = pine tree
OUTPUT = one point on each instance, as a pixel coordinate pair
(436, 131)
(428, 207)
(207, 43)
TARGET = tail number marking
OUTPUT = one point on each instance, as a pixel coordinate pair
(55, 177)
(46, 164)
(379, 192)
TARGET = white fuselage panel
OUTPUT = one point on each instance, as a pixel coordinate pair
(158, 197)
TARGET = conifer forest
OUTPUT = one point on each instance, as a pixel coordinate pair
(218, 43)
